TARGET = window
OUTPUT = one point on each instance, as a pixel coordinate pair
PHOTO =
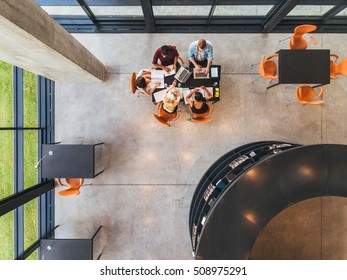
(26, 121)
(112, 11)
(310, 10)
(64, 10)
(7, 236)
(181, 10)
(245, 10)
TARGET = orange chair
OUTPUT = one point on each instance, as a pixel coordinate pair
(202, 118)
(338, 68)
(164, 117)
(297, 42)
(333, 67)
(305, 94)
(132, 82)
(74, 186)
(267, 67)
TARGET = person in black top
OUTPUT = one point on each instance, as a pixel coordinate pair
(198, 105)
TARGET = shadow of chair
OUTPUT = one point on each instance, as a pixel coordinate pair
(297, 41)
(74, 185)
(305, 95)
(338, 68)
(202, 118)
(164, 117)
(133, 82)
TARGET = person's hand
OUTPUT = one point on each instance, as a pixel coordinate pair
(157, 84)
(167, 69)
(203, 87)
(174, 83)
(207, 70)
(174, 67)
(198, 68)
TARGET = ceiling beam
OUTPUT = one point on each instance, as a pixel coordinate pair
(88, 11)
(334, 11)
(278, 13)
(148, 14)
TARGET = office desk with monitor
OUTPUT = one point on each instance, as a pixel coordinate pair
(303, 67)
(191, 83)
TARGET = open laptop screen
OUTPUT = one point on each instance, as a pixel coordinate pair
(200, 74)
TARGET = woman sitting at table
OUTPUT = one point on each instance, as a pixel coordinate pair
(142, 82)
(198, 105)
(171, 99)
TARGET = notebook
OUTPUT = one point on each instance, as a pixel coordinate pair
(172, 71)
(157, 76)
(201, 74)
(182, 75)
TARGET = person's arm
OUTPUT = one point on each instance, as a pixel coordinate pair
(156, 85)
(207, 70)
(167, 69)
(146, 72)
(175, 55)
(209, 58)
(197, 66)
(188, 97)
(174, 64)
(210, 95)
(143, 92)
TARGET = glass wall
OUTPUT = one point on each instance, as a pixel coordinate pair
(7, 236)
(204, 16)
(6, 137)
(26, 122)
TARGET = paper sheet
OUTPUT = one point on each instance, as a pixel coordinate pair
(172, 71)
(157, 76)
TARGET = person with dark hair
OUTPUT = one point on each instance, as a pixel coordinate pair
(200, 53)
(198, 105)
(142, 82)
(164, 56)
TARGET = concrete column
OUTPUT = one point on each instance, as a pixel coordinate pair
(31, 39)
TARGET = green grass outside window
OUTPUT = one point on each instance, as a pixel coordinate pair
(30, 111)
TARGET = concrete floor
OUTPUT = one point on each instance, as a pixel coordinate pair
(143, 197)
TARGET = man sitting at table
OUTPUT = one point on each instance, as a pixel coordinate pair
(167, 55)
(200, 53)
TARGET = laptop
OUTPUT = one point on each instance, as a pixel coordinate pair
(182, 75)
(200, 74)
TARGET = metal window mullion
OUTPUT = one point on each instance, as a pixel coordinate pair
(50, 112)
(51, 139)
(42, 123)
(148, 15)
(278, 13)
(18, 158)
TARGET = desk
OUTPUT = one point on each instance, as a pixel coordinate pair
(303, 67)
(193, 83)
(71, 161)
(69, 249)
